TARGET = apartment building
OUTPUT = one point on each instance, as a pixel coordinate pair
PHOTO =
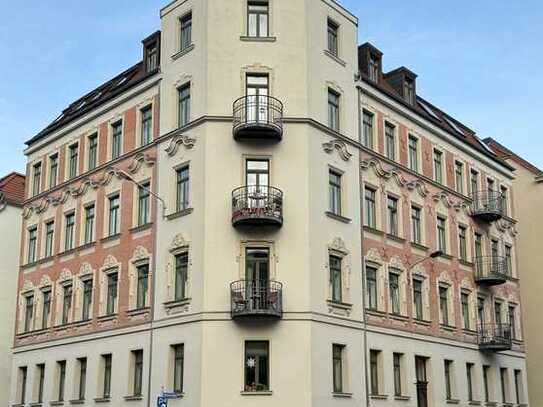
(527, 201)
(11, 200)
(234, 254)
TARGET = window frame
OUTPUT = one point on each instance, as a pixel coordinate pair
(113, 217)
(69, 231)
(257, 386)
(368, 125)
(332, 43)
(117, 130)
(393, 216)
(73, 160)
(178, 356)
(335, 191)
(338, 384)
(146, 125)
(335, 264)
(184, 99)
(438, 166)
(334, 110)
(92, 151)
(185, 31)
(259, 33)
(390, 141)
(182, 188)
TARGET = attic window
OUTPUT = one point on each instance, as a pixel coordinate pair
(429, 110)
(123, 80)
(151, 57)
(373, 68)
(409, 90)
(96, 96)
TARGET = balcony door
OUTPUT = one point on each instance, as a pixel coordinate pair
(422, 381)
(257, 275)
(257, 98)
(257, 179)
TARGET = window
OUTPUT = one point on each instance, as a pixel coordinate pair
(146, 125)
(371, 287)
(72, 160)
(143, 204)
(394, 291)
(151, 61)
(413, 153)
(32, 241)
(486, 387)
(442, 234)
(112, 279)
(481, 310)
(53, 170)
(137, 356)
(512, 321)
(459, 177)
(36, 179)
(41, 381)
(257, 366)
(370, 208)
(397, 366)
(373, 68)
(178, 366)
(143, 286)
(116, 139)
(505, 205)
(392, 208)
(409, 90)
(464, 299)
(334, 185)
(186, 31)
(462, 243)
(490, 186)
(93, 151)
(416, 234)
(46, 310)
(258, 18)
(29, 313)
(335, 278)
(49, 236)
(183, 94)
(61, 366)
(67, 292)
(367, 130)
(509, 259)
(337, 367)
(448, 365)
(82, 378)
(89, 224)
(181, 276)
(23, 374)
(503, 382)
(114, 203)
(87, 300)
(518, 386)
(182, 188)
(469, 378)
(390, 141)
(417, 299)
(333, 38)
(374, 372)
(69, 231)
(438, 166)
(478, 246)
(444, 304)
(107, 361)
(474, 182)
(333, 110)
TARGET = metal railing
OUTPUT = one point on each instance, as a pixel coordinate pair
(488, 203)
(258, 111)
(491, 268)
(256, 298)
(495, 336)
(258, 203)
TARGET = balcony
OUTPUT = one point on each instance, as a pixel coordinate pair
(258, 117)
(256, 299)
(488, 205)
(256, 205)
(491, 270)
(495, 337)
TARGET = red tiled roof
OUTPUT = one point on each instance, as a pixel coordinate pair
(13, 188)
(506, 154)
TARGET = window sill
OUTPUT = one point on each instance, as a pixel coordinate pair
(102, 399)
(17, 405)
(452, 401)
(402, 398)
(257, 393)
(398, 317)
(491, 403)
(395, 238)
(177, 303)
(180, 214)
(56, 403)
(376, 312)
(474, 403)
(108, 317)
(335, 58)
(185, 51)
(445, 256)
(77, 401)
(419, 246)
(141, 228)
(337, 304)
(36, 404)
(378, 397)
(342, 395)
(67, 252)
(465, 263)
(110, 238)
(338, 217)
(468, 331)
(422, 322)
(133, 398)
(373, 230)
(448, 328)
(137, 311)
(246, 38)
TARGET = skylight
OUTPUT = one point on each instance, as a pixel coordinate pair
(428, 110)
(123, 80)
(453, 125)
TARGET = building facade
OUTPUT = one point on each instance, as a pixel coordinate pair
(198, 223)
(527, 201)
(11, 200)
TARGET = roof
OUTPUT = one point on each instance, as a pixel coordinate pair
(12, 187)
(507, 154)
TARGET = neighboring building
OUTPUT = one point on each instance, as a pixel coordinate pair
(12, 188)
(528, 202)
(220, 255)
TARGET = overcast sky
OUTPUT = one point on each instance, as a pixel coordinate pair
(477, 60)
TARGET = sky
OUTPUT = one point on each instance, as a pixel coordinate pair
(477, 60)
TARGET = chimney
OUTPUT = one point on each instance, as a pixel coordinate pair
(370, 62)
(404, 82)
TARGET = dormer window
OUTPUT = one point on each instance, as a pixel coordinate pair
(409, 91)
(373, 68)
(151, 57)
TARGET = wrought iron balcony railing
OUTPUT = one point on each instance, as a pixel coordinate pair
(488, 205)
(258, 117)
(495, 337)
(491, 270)
(255, 205)
(256, 298)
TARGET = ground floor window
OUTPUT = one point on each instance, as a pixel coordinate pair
(257, 377)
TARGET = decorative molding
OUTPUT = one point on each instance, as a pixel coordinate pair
(140, 253)
(449, 202)
(341, 148)
(182, 78)
(396, 263)
(504, 225)
(109, 263)
(179, 242)
(85, 270)
(139, 160)
(177, 141)
(374, 256)
(65, 275)
(45, 281)
(28, 286)
(338, 245)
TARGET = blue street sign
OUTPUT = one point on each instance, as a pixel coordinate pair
(161, 402)
(168, 395)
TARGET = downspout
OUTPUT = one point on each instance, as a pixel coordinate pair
(364, 315)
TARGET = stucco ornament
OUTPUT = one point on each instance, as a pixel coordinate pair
(110, 262)
(45, 281)
(85, 269)
(341, 148)
(139, 160)
(397, 263)
(65, 275)
(374, 256)
(178, 141)
(178, 242)
(28, 286)
(338, 245)
(140, 253)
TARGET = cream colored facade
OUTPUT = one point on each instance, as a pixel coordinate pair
(318, 315)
